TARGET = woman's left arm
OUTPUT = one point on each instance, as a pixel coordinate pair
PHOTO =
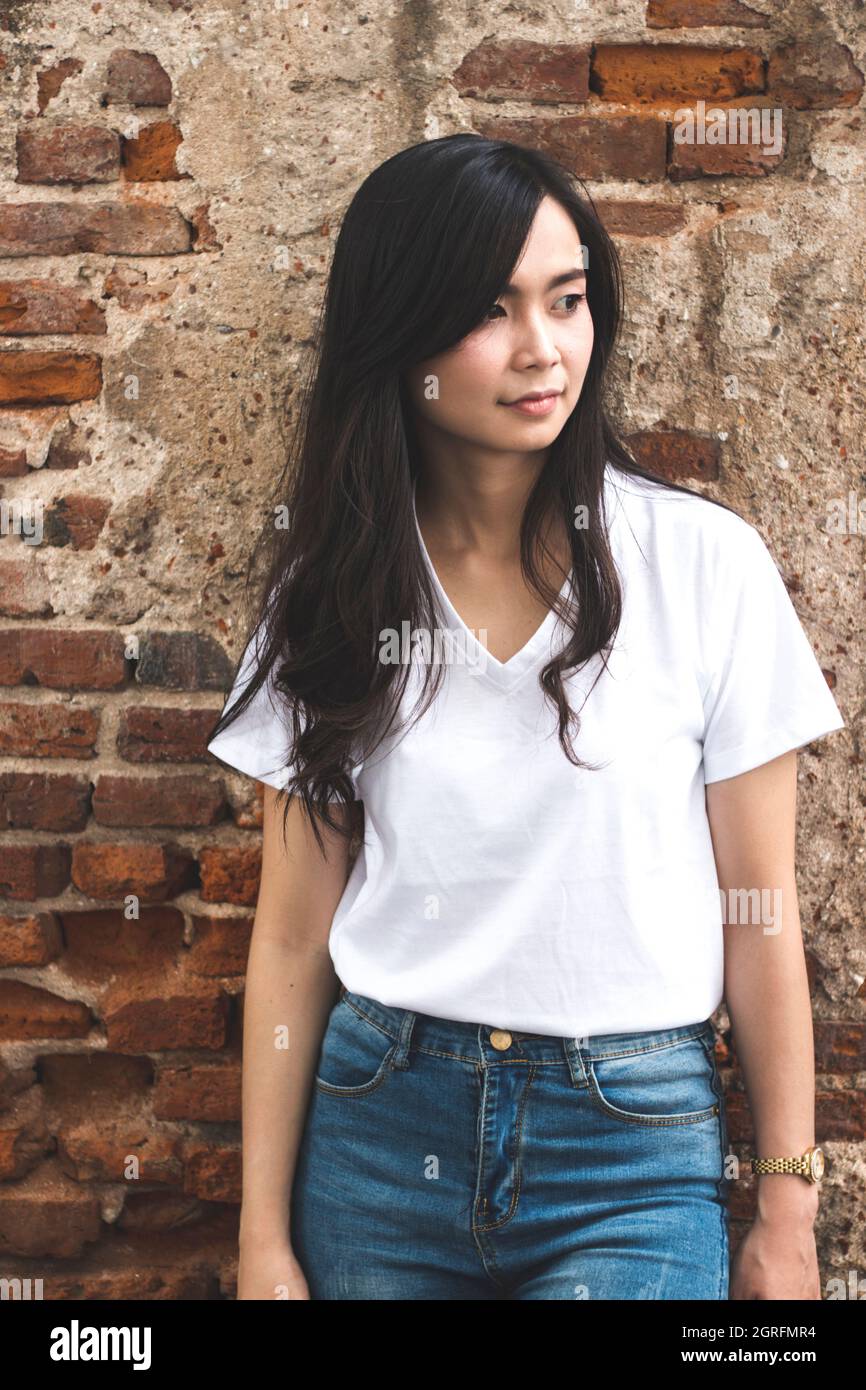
(753, 824)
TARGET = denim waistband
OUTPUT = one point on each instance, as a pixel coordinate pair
(443, 1034)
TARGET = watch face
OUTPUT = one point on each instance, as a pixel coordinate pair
(816, 1163)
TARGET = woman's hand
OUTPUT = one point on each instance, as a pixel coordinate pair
(777, 1257)
(267, 1269)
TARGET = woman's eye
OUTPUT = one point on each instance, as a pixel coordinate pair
(579, 298)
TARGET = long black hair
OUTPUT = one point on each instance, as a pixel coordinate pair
(426, 247)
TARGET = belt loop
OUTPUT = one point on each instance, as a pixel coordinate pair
(577, 1056)
(400, 1059)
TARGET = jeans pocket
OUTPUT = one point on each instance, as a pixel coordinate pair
(355, 1054)
(667, 1084)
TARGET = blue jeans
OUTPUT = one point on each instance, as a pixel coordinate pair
(450, 1160)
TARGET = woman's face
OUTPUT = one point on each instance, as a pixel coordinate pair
(537, 337)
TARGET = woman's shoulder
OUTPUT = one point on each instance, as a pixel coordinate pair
(682, 524)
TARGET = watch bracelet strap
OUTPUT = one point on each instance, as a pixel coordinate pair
(780, 1165)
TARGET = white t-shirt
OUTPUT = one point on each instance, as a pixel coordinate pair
(501, 885)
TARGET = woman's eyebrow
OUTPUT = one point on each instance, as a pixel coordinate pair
(566, 278)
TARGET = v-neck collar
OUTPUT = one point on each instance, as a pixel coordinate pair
(468, 651)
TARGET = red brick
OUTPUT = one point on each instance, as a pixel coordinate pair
(135, 1278)
(221, 945)
(102, 942)
(592, 147)
(108, 229)
(25, 591)
(43, 801)
(697, 14)
(41, 1218)
(88, 1154)
(27, 1012)
(202, 1091)
(155, 735)
(49, 378)
(94, 1085)
(34, 871)
(816, 76)
(31, 940)
(230, 874)
(628, 217)
(841, 1115)
(37, 306)
(47, 731)
(151, 872)
(137, 79)
(182, 661)
(840, 1046)
(50, 80)
(75, 520)
(13, 463)
(525, 71)
(158, 1211)
(68, 154)
(62, 659)
(668, 72)
(14, 1083)
(676, 454)
(734, 160)
(24, 1140)
(143, 1021)
(738, 1116)
(185, 800)
(213, 1173)
(149, 156)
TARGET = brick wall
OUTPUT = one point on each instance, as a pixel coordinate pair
(167, 214)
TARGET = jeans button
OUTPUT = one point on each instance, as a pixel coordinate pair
(500, 1040)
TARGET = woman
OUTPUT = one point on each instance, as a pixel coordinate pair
(566, 697)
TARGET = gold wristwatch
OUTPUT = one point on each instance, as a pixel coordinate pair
(810, 1166)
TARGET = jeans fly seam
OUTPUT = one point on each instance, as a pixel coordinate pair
(518, 1171)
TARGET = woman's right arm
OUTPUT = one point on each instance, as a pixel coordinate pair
(290, 991)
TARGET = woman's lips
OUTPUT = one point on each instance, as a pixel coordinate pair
(538, 407)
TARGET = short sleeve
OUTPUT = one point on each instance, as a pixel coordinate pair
(767, 693)
(258, 742)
